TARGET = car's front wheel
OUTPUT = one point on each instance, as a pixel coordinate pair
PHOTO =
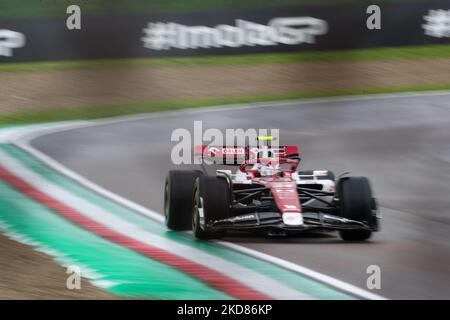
(178, 198)
(356, 203)
(211, 202)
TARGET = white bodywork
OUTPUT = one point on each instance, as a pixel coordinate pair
(302, 179)
(327, 185)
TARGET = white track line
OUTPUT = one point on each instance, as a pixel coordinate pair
(23, 141)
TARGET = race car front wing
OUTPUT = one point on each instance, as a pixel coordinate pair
(267, 221)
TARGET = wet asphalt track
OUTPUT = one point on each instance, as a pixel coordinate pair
(401, 144)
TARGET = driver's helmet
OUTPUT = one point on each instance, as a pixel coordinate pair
(267, 170)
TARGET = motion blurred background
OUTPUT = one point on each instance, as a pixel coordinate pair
(140, 56)
(113, 65)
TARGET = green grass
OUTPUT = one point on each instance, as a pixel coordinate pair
(106, 111)
(419, 52)
(57, 8)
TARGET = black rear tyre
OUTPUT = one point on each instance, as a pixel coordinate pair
(356, 203)
(178, 199)
(212, 198)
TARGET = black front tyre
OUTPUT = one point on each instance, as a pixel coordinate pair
(211, 202)
(356, 203)
(178, 199)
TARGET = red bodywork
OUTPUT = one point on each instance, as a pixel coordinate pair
(238, 154)
(282, 185)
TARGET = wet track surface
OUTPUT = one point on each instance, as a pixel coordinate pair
(401, 143)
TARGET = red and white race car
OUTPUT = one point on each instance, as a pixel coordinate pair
(267, 194)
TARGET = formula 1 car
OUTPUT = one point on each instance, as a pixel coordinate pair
(267, 194)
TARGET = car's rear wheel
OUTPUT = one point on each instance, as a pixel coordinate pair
(178, 198)
(211, 202)
(356, 203)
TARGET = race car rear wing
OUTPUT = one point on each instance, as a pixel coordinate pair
(234, 155)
